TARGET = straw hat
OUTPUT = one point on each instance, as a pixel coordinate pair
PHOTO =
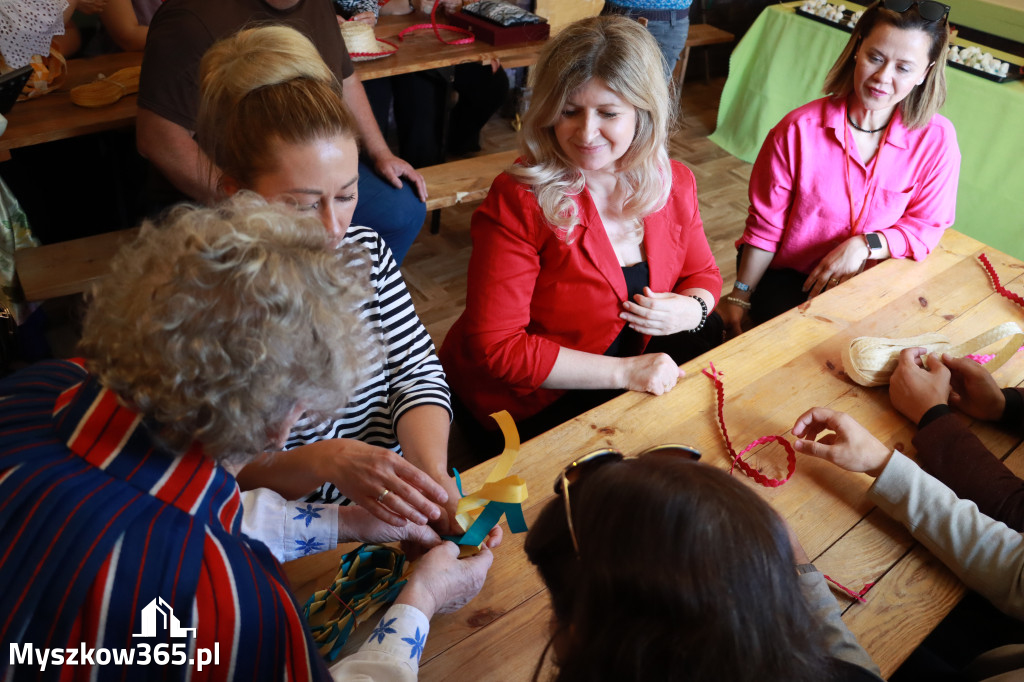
(362, 44)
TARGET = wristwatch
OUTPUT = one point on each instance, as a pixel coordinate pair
(742, 286)
(874, 242)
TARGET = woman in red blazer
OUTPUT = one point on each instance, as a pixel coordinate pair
(589, 246)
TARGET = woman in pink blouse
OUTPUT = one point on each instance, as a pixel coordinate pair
(867, 173)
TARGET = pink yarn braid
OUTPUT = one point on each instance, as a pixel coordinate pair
(1003, 291)
(737, 458)
(859, 596)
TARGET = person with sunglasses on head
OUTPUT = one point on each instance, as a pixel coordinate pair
(867, 173)
(661, 568)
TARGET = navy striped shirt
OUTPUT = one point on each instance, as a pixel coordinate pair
(409, 374)
(97, 524)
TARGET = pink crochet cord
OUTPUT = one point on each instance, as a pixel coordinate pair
(376, 54)
(1016, 298)
(737, 458)
(1003, 291)
(859, 596)
(433, 25)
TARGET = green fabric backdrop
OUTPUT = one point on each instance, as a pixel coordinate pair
(781, 64)
(1000, 17)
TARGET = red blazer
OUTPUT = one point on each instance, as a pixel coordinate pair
(528, 292)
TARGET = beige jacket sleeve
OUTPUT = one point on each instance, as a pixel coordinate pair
(840, 642)
(985, 554)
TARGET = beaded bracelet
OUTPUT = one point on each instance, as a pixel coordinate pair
(739, 302)
(703, 313)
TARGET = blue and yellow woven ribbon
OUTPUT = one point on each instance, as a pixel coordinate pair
(501, 494)
(369, 577)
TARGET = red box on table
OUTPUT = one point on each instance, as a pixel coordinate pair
(496, 35)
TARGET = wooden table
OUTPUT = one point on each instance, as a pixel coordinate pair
(772, 374)
(54, 117)
(421, 50)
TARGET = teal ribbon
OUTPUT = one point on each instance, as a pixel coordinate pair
(488, 519)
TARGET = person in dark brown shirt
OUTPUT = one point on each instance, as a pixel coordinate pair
(179, 35)
(946, 447)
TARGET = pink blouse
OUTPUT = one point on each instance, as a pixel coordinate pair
(799, 207)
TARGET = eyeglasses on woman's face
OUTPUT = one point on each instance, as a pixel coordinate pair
(580, 468)
(930, 10)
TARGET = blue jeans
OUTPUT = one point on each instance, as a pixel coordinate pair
(670, 33)
(671, 37)
(395, 214)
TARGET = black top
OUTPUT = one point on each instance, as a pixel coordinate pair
(630, 342)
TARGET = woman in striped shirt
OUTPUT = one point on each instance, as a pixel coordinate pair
(272, 120)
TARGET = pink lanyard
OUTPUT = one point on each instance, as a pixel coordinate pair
(869, 187)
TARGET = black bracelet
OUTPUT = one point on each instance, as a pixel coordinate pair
(703, 313)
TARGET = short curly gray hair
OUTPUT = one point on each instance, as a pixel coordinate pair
(216, 324)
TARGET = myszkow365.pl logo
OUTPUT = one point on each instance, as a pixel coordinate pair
(156, 612)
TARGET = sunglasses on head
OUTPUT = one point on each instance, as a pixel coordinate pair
(930, 10)
(579, 468)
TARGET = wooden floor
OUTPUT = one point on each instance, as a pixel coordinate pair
(435, 268)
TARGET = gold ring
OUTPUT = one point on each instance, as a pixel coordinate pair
(383, 494)
(833, 281)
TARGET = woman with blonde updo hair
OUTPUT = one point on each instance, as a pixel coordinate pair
(589, 246)
(272, 120)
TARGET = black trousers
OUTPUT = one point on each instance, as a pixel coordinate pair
(779, 290)
(419, 106)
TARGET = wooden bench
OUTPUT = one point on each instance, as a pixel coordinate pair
(463, 181)
(699, 36)
(69, 267)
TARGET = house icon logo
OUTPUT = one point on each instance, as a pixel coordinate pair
(159, 609)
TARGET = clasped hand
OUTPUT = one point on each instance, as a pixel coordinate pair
(661, 313)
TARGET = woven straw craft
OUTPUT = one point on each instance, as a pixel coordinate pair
(48, 74)
(106, 90)
(870, 361)
(362, 44)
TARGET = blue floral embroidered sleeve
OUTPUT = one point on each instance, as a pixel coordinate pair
(392, 651)
(289, 529)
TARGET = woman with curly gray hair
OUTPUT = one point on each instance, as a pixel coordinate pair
(223, 326)
(204, 344)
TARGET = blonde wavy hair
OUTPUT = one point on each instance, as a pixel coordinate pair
(625, 56)
(261, 85)
(215, 325)
(925, 100)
